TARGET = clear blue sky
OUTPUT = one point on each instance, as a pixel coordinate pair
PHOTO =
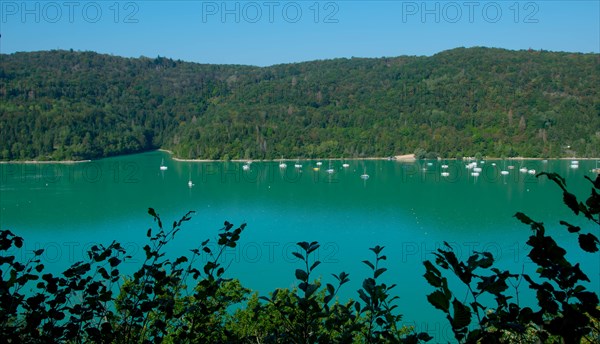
(271, 32)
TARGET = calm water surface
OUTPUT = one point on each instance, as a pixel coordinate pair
(407, 207)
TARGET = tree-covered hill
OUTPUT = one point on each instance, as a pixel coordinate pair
(79, 105)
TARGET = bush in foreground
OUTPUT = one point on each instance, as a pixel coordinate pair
(177, 300)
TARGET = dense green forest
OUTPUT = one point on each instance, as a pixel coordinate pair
(60, 105)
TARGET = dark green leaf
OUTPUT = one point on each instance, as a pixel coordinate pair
(440, 301)
(369, 264)
(588, 242)
(379, 271)
(315, 264)
(462, 315)
(571, 201)
(301, 275)
(298, 255)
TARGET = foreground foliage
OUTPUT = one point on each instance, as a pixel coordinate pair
(567, 311)
(175, 300)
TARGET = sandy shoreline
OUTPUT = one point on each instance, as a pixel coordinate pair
(400, 158)
(36, 162)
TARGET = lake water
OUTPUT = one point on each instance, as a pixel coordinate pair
(407, 207)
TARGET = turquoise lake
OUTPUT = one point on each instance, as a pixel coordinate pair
(407, 207)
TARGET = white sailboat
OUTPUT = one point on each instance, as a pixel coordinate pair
(330, 170)
(162, 166)
(504, 172)
(282, 165)
(597, 169)
(190, 182)
(574, 164)
(364, 176)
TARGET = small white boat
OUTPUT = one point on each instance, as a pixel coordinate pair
(344, 165)
(190, 183)
(364, 176)
(475, 174)
(504, 173)
(319, 163)
(298, 164)
(511, 167)
(445, 174)
(330, 170)
(574, 164)
(444, 166)
(282, 164)
(162, 166)
(531, 171)
(523, 169)
(477, 169)
(246, 167)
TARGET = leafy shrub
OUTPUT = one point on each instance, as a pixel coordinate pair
(174, 301)
(567, 312)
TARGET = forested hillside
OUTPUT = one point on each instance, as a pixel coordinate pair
(79, 105)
